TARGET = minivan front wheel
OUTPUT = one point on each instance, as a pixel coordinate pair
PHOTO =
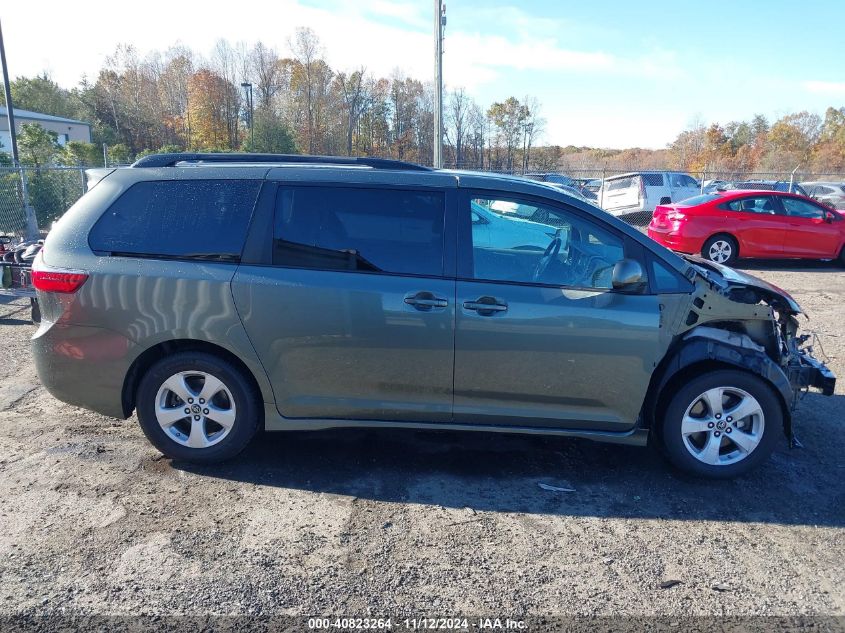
(197, 407)
(721, 424)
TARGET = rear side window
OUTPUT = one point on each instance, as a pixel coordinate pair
(763, 204)
(620, 183)
(653, 180)
(205, 219)
(368, 230)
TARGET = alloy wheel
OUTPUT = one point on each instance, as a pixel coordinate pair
(720, 251)
(195, 409)
(723, 426)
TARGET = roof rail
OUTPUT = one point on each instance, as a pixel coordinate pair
(171, 160)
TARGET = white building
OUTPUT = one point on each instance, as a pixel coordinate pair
(65, 129)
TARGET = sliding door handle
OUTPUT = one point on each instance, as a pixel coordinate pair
(486, 306)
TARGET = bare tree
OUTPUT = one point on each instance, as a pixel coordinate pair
(307, 50)
(532, 127)
(352, 90)
(457, 119)
(227, 62)
(266, 72)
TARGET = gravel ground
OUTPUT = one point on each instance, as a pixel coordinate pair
(387, 523)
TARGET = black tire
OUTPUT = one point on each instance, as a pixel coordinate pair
(730, 241)
(247, 408)
(665, 200)
(675, 447)
(841, 259)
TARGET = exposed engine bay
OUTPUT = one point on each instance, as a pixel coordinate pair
(754, 315)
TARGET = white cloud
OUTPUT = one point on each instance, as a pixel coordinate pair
(487, 57)
(825, 87)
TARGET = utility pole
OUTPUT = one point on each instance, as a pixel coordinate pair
(29, 213)
(248, 87)
(439, 23)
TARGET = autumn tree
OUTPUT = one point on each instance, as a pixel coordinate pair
(791, 140)
(208, 95)
(508, 118)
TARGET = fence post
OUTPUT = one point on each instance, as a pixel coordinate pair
(601, 189)
(703, 176)
(29, 213)
(82, 179)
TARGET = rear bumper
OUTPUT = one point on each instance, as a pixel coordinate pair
(83, 366)
(674, 241)
(810, 373)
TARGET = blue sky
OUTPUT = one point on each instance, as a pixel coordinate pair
(609, 74)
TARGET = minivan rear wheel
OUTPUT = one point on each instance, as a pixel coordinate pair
(196, 407)
(721, 424)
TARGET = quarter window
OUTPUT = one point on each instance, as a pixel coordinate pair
(205, 219)
(542, 244)
(368, 230)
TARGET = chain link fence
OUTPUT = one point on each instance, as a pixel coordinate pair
(50, 191)
(629, 193)
(632, 193)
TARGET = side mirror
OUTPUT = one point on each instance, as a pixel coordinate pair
(628, 275)
(829, 217)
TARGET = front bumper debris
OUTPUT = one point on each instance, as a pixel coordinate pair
(810, 373)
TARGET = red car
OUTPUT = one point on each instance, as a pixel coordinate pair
(725, 225)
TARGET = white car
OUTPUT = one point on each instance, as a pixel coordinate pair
(639, 192)
(502, 226)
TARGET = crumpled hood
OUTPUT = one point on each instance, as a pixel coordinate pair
(734, 278)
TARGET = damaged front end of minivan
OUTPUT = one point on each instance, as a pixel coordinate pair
(737, 319)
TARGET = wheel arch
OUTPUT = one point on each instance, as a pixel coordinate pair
(153, 354)
(698, 354)
(723, 233)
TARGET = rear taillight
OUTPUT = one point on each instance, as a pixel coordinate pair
(48, 279)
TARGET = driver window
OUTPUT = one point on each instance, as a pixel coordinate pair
(795, 207)
(529, 243)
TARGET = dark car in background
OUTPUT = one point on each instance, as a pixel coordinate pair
(217, 294)
(766, 185)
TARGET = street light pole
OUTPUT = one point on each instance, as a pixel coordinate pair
(249, 101)
(10, 113)
(439, 23)
(29, 213)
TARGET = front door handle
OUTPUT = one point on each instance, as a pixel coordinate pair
(486, 306)
(425, 301)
